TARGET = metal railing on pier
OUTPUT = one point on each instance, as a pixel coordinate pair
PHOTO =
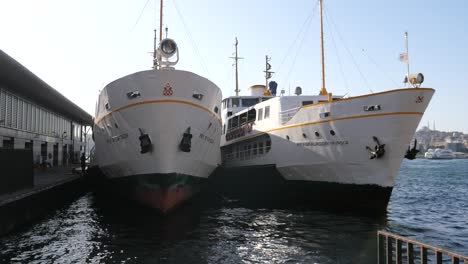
(397, 249)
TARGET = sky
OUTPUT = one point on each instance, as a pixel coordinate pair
(79, 46)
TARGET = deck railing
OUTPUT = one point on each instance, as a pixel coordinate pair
(397, 249)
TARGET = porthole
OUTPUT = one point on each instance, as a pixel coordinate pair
(287, 137)
(317, 134)
(216, 109)
(332, 132)
(304, 135)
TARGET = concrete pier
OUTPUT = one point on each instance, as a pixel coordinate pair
(52, 188)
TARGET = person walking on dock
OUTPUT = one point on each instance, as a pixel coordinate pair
(83, 163)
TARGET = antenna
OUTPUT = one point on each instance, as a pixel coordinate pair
(407, 57)
(267, 70)
(236, 59)
(155, 61)
(160, 20)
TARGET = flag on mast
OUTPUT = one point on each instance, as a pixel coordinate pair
(404, 57)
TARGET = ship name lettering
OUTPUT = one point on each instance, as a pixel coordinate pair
(117, 138)
(323, 143)
(206, 138)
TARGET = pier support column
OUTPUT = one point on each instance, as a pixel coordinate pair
(37, 151)
(18, 143)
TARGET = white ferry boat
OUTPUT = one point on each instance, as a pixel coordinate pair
(157, 132)
(439, 154)
(322, 148)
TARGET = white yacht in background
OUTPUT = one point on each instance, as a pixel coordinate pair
(157, 132)
(322, 148)
(439, 154)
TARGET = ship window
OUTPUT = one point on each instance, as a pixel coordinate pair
(267, 112)
(216, 109)
(224, 129)
(267, 145)
(237, 152)
(372, 108)
(229, 113)
(133, 94)
(260, 114)
(107, 106)
(265, 98)
(249, 101)
(260, 148)
(324, 115)
(235, 102)
(254, 149)
(243, 118)
(307, 102)
(247, 155)
(332, 132)
(225, 103)
(251, 115)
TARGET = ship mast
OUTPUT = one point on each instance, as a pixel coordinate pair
(267, 71)
(160, 20)
(323, 91)
(236, 59)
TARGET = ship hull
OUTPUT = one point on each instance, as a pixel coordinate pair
(265, 186)
(155, 141)
(163, 192)
(333, 157)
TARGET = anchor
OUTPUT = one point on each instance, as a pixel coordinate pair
(411, 153)
(378, 151)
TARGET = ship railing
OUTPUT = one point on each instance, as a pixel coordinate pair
(397, 249)
(247, 154)
(286, 115)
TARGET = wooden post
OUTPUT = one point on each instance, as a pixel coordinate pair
(423, 255)
(410, 252)
(456, 260)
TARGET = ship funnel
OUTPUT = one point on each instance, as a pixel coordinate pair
(298, 90)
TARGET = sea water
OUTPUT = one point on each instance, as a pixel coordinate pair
(429, 203)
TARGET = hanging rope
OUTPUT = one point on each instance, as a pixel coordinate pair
(349, 52)
(306, 22)
(337, 54)
(379, 68)
(194, 44)
(138, 19)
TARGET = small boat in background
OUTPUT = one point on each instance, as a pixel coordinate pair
(439, 154)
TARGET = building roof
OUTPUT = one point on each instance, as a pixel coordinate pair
(21, 81)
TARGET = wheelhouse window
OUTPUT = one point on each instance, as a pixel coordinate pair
(251, 115)
(235, 102)
(260, 114)
(246, 102)
(267, 112)
(225, 103)
(307, 102)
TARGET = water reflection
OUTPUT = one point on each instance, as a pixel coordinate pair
(96, 229)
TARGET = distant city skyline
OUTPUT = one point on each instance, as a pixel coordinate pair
(78, 47)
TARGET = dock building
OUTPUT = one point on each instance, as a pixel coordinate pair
(35, 116)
